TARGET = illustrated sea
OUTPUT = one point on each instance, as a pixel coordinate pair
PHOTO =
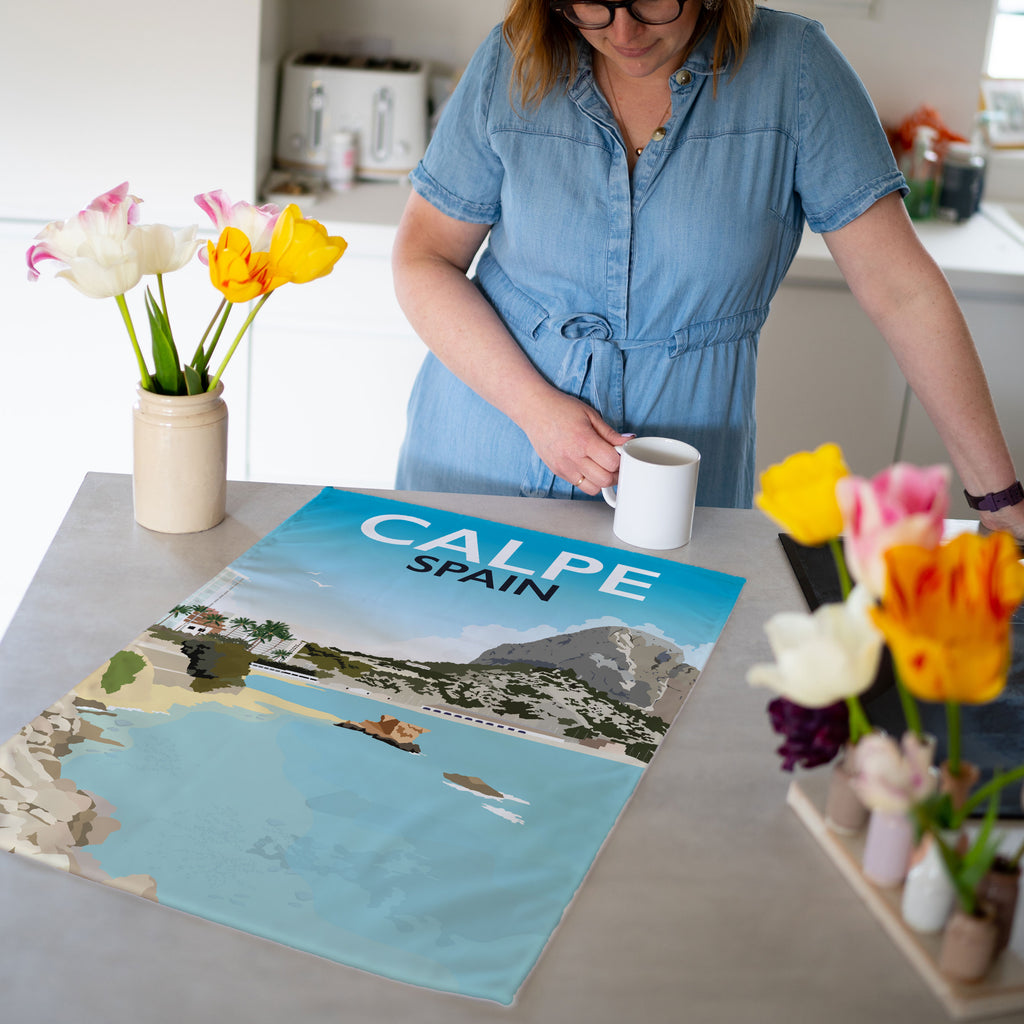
(388, 735)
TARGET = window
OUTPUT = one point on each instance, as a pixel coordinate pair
(1006, 54)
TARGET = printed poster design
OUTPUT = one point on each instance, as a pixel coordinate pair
(389, 735)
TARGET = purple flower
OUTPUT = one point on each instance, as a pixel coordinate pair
(813, 735)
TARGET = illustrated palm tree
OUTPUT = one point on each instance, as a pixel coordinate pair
(281, 631)
(242, 625)
(178, 609)
(269, 630)
(212, 618)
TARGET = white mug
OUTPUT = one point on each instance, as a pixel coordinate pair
(656, 492)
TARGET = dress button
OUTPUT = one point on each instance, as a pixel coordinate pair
(683, 77)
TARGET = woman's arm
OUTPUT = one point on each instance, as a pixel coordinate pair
(431, 256)
(909, 300)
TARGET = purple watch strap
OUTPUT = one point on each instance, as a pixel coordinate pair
(995, 500)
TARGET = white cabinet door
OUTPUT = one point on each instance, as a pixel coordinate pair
(332, 366)
(825, 374)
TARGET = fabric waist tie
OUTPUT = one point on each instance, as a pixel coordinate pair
(592, 347)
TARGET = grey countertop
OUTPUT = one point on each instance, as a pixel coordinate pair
(709, 902)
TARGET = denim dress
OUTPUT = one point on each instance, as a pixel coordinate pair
(642, 295)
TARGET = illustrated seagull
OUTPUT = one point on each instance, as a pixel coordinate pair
(319, 584)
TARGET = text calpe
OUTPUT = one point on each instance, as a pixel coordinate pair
(621, 580)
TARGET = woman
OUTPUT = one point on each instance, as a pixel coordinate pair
(642, 172)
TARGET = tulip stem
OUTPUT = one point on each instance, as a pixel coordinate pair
(201, 359)
(980, 795)
(216, 335)
(859, 724)
(163, 300)
(844, 577)
(953, 736)
(910, 713)
(147, 381)
(238, 337)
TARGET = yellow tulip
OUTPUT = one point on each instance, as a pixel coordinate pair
(946, 616)
(301, 250)
(235, 270)
(800, 494)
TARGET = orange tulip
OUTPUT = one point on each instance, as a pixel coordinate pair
(235, 270)
(946, 616)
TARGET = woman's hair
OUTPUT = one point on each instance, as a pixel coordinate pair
(543, 43)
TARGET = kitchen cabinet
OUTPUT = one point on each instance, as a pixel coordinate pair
(332, 365)
(825, 374)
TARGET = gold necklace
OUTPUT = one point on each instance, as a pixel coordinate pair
(656, 136)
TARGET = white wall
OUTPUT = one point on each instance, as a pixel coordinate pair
(444, 31)
(106, 91)
(918, 51)
(910, 52)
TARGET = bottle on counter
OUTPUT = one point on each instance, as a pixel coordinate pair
(963, 177)
(921, 167)
(341, 160)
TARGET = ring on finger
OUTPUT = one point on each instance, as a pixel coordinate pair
(581, 479)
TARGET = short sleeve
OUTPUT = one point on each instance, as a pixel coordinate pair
(460, 174)
(844, 161)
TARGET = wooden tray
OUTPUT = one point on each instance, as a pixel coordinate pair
(1002, 991)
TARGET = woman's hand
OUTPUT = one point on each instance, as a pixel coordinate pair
(574, 442)
(430, 257)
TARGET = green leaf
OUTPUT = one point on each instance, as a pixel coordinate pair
(193, 381)
(165, 355)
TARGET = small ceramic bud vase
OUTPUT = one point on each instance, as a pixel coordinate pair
(999, 889)
(887, 848)
(959, 786)
(928, 893)
(845, 812)
(968, 945)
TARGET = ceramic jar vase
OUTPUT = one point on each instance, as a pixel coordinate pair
(959, 786)
(845, 812)
(999, 889)
(180, 460)
(968, 945)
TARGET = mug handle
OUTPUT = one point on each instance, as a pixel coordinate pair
(608, 493)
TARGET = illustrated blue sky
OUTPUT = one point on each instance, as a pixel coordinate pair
(338, 582)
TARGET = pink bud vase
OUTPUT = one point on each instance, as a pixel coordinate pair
(887, 848)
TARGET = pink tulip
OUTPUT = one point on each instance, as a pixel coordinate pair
(894, 777)
(94, 245)
(255, 222)
(903, 504)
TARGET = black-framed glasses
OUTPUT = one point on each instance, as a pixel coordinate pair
(593, 14)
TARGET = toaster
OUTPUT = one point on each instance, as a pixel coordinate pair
(382, 100)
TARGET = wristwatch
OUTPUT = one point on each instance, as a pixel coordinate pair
(995, 500)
